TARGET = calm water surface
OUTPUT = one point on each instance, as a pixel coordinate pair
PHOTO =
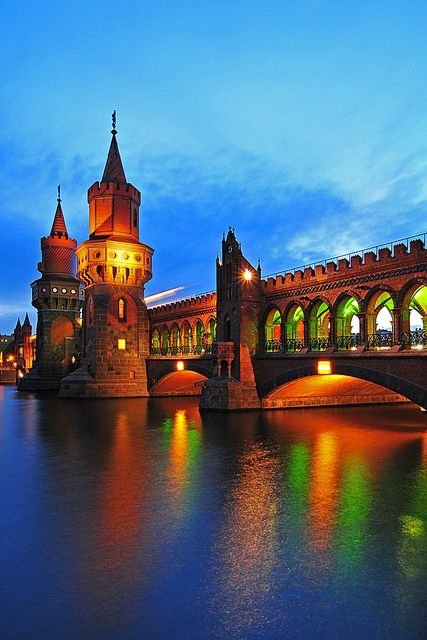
(141, 519)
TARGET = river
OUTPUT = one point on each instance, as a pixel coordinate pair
(142, 519)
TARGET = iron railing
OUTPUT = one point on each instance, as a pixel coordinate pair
(182, 350)
(293, 344)
(319, 344)
(379, 340)
(346, 343)
(417, 338)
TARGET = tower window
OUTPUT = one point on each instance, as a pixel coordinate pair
(122, 309)
(135, 218)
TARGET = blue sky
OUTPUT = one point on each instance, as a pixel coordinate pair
(302, 124)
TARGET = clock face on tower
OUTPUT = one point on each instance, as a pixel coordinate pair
(230, 249)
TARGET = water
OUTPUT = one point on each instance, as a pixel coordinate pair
(141, 519)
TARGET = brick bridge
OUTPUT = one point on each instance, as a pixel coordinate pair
(260, 339)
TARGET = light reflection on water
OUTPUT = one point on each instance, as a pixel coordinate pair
(142, 519)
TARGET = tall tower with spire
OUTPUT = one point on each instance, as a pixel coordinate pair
(114, 267)
(58, 297)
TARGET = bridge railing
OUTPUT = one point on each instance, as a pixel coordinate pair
(182, 350)
(382, 339)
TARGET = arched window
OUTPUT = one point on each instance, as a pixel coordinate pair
(90, 311)
(122, 309)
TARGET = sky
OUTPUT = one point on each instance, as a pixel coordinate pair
(303, 124)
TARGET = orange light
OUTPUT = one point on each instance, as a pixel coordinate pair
(180, 365)
(247, 275)
(121, 343)
(324, 367)
(20, 374)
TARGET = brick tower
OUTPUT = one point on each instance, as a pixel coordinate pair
(57, 296)
(114, 265)
(238, 312)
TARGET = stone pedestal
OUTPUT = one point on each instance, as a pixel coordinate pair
(81, 384)
(227, 394)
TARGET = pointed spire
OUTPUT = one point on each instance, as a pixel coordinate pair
(18, 325)
(27, 322)
(114, 171)
(59, 227)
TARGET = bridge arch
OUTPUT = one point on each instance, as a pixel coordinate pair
(168, 381)
(393, 383)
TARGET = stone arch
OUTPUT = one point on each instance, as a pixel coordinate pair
(293, 320)
(198, 331)
(61, 328)
(345, 311)
(210, 330)
(186, 337)
(379, 305)
(175, 338)
(164, 339)
(396, 384)
(272, 329)
(155, 341)
(318, 316)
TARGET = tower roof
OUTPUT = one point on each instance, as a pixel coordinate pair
(114, 171)
(59, 227)
(27, 322)
(18, 324)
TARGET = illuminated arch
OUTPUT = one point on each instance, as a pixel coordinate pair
(396, 384)
(273, 329)
(121, 309)
(293, 318)
(380, 305)
(211, 330)
(164, 340)
(198, 332)
(347, 323)
(155, 342)
(413, 315)
(319, 313)
(174, 338)
(186, 337)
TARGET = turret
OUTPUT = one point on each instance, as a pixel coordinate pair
(58, 249)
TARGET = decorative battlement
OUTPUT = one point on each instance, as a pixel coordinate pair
(199, 300)
(373, 258)
(109, 188)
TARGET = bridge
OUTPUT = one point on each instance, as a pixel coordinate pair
(348, 330)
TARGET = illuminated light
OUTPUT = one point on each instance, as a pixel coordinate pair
(353, 349)
(247, 275)
(422, 409)
(155, 297)
(412, 526)
(20, 374)
(55, 289)
(73, 359)
(121, 343)
(15, 364)
(180, 365)
(324, 367)
(64, 290)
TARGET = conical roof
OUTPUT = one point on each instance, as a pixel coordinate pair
(114, 171)
(59, 227)
(27, 322)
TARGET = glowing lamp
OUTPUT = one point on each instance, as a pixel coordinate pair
(324, 367)
(121, 343)
(20, 374)
(180, 365)
(247, 274)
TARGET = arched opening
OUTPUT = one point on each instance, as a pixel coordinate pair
(174, 339)
(380, 321)
(273, 331)
(294, 329)
(347, 323)
(179, 383)
(155, 342)
(121, 310)
(414, 318)
(318, 326)
(211, 331)
(198, 336)
(227, 329)
(165, 341)
(186, 335)
(62, 328)
(331, 390)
